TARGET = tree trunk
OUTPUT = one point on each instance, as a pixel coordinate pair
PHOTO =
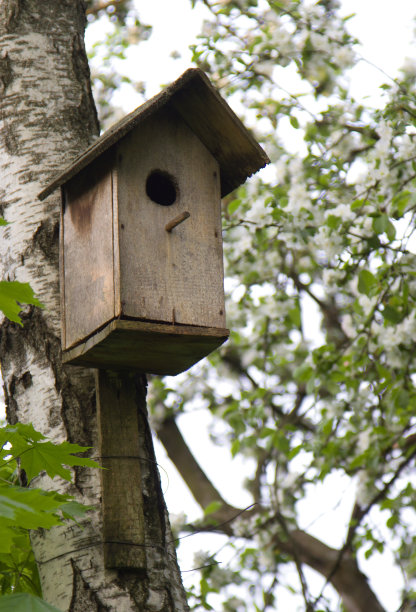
(47, 116)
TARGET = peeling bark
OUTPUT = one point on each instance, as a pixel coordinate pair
(47, 117)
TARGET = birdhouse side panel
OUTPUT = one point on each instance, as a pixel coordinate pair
(88, 252)
(170, 225)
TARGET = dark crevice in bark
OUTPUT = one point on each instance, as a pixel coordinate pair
(5, 73)
(82, 74)
(9, 15)
(46, 239)
(84, 598)
(154, 505)
(137, 585)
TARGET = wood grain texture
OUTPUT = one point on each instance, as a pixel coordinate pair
(119, 449)
(88, 252)
(116, 241)
(146, 347)
(177, 276)
(209, 116)
(62, 268)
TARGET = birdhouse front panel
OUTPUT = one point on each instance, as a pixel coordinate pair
(171, 263)
(87, 252)
(141, 245)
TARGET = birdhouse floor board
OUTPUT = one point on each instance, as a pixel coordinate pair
(153, 348)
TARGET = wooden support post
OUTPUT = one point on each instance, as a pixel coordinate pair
(119, 448)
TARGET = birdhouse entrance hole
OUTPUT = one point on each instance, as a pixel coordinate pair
(162, 188)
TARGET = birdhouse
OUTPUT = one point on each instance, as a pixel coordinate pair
(140, 243)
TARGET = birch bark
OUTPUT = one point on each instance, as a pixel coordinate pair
(47, 116)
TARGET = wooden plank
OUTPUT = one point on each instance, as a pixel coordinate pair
(170, 276)
(146, 347)
(61, 269)
(210, 117)
(193, 95)
(116, 243)
(122, 500)
(88, 252)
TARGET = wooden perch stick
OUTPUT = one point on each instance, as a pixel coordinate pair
(184, 215)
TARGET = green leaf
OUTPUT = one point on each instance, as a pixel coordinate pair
(295, 316)
(25, 602)
(380, 224)
(294, 122)
(28, 508)
(390, 231)
(232, 206)
(366, 282)
(295, 451)
(333, 222)
(18, 569)
(3, 222)
(21, 436)
(391, 314)
(73, 510)
(212, 507)
(303, 373)
(392, 521)
(52, 457)
(400, 203)
(12, 295)
(37, 455)
(235, 447)
(358, 204)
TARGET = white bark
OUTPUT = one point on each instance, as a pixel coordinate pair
(47, 117)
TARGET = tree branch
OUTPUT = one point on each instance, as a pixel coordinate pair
(339, 567)
(348, 580)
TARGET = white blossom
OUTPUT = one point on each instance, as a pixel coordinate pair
(409, 67)
(343, 211)
(365, 488)
(363, 440)
(348, 327)
(343, 56)
(328, 241)
(298, 198)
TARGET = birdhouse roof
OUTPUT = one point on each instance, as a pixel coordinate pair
(208, 115)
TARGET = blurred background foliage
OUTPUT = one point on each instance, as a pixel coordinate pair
(318, 378)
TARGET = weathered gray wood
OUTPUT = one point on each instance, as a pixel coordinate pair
(208, 115)
(177, 276)
(116, 244)
(119, 448)
(61, 270)
(146, 347)
(88, 252)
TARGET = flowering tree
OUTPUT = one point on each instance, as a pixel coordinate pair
(327, 229)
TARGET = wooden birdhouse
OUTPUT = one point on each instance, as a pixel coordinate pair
(141, 245)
